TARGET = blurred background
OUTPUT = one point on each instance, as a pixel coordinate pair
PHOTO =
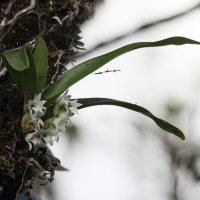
(116, 154)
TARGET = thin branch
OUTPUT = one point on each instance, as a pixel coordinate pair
(22, 182)
(1, 63)
(3, 72)
(139, 29)
(7, 12)
(35, 40)
(75, 13)
(113, 70)
(14, 20)
(57, 66)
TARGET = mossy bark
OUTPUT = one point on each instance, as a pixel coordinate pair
(18, 166)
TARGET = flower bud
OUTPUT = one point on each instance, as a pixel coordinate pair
(25, 119)
(56, 110)
(49, 122)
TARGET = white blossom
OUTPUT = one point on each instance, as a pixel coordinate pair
(32, 137)
(37, 106)
(38, 131)
(69, 105)
(73, 105)
(49, 133)
(64, 100)
(34, 124)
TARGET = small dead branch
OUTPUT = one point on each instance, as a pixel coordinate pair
(3, 72)
(1, 63)
(114, 70)
(75, 13)
(22, 183)
(57, 66)
(34, 42)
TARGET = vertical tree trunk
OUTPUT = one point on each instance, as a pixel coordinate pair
(58, 23)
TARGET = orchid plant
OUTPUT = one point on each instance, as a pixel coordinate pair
(38, 131)
(45, 114)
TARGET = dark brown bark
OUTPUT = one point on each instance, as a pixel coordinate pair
(24, 21)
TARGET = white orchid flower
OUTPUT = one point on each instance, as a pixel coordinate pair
(33, 137)
(64, 100)
(64, 116)
(33, 124)
(38, 120)
(40, 131)
(56, 122)
(49, 133)
(73, 105)
(37, 105)
(69, 105)
(61, 121)
(38, 114)
(48, 139)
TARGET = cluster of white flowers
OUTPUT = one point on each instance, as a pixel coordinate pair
(38, 131)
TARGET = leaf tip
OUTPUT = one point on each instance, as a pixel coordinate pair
(183, 137)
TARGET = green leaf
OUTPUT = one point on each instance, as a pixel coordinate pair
(19, 59)
(80, 71)
(26, 78)
(104, 101)
(41, 63)
(60, 168)
(29, 71)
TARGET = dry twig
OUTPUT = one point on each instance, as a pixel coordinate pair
(2, 73)
(22, 183)
(57, 65)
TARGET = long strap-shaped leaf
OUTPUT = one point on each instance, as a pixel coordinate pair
(41, 63)
(87, 102)
(80, 71)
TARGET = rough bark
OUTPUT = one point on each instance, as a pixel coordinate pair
(58, 23)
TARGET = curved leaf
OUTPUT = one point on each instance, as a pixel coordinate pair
(26, 78)
(19, 59)
(29, 71)
(80, 71)
(60, 168)
(104, 101)
(41, 63)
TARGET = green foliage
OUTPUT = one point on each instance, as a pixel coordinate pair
(41, 63)
(80, 71)
(21, 66)
(19, 59)
(103, 101)
(28, 71)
